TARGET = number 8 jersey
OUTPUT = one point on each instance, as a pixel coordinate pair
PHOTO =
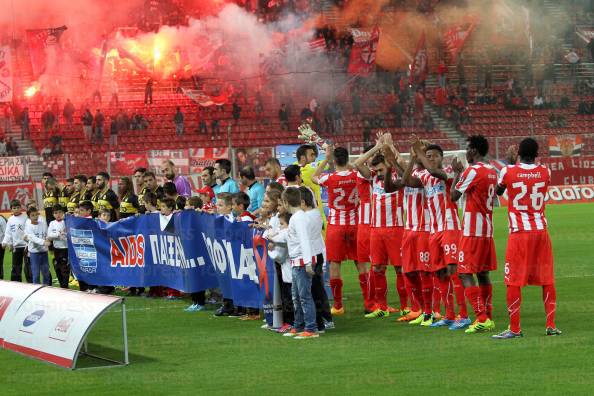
(478, 182)
(526, 186)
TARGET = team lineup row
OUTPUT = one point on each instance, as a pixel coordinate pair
(387, 211)
(383, 201)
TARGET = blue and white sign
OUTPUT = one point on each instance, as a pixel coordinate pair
(189, 251)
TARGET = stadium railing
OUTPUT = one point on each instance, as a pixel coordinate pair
(192, 160)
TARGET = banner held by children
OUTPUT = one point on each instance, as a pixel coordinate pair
(188, 251)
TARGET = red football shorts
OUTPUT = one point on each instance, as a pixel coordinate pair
(443, 249)
(341, 243)
(476, 254)
(415, 251)
(385, 244)
(363, 232)
(529, 259)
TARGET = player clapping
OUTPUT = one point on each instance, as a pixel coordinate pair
(386, 226)
(529, 256)
(476, 250)
(445, 225)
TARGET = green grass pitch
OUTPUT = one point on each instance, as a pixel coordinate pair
(177, 353)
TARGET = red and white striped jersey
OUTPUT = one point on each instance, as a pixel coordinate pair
(527, 185)
(209, 206)
(282, 180)
(478, 182)
(444, 212)
(386, 208)
(343, 197)
(364, 190)
(418, 217)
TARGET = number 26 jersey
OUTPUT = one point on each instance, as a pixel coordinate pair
(527, 185)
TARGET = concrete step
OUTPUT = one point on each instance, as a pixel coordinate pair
(36, 167)
(444, 125)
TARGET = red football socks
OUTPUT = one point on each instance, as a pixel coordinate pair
(414, 289)
(436, 294)
(401, 289)
(427, 291)
(473, 293)
(370, 292)
(514, 301)
(487, 297)
(336, 287)
(381, 290)
(549, 297)
(447, 297)
(460, 300)
(364, 284)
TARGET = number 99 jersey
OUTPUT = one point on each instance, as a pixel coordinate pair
(527, 185)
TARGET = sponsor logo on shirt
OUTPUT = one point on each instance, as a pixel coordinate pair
(434, 190)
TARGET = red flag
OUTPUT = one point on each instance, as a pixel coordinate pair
(420, 65)
(318, 45)
(363, 53)
(123, 164)
(39, 40)
(96, 63)
(457, 36)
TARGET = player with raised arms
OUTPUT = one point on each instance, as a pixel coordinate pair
(445, 225)
(387, 226)
(341, 236)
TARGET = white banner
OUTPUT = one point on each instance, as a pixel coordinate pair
(5, 75)
(52, 324)
(14, 169)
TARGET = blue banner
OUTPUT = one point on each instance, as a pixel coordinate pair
(189, 251)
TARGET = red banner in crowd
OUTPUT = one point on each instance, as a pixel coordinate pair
(123, 164)
(456, 36)
(363, 53)
(420, 65)
(565, 171)
(565, 145)
(24, 192)
(39, 40)
(564, 194)
(318, 45)
(210, 100)
(5, 75)
(570, 171)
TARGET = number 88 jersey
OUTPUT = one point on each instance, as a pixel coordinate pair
(343, 197)
(527, 185)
